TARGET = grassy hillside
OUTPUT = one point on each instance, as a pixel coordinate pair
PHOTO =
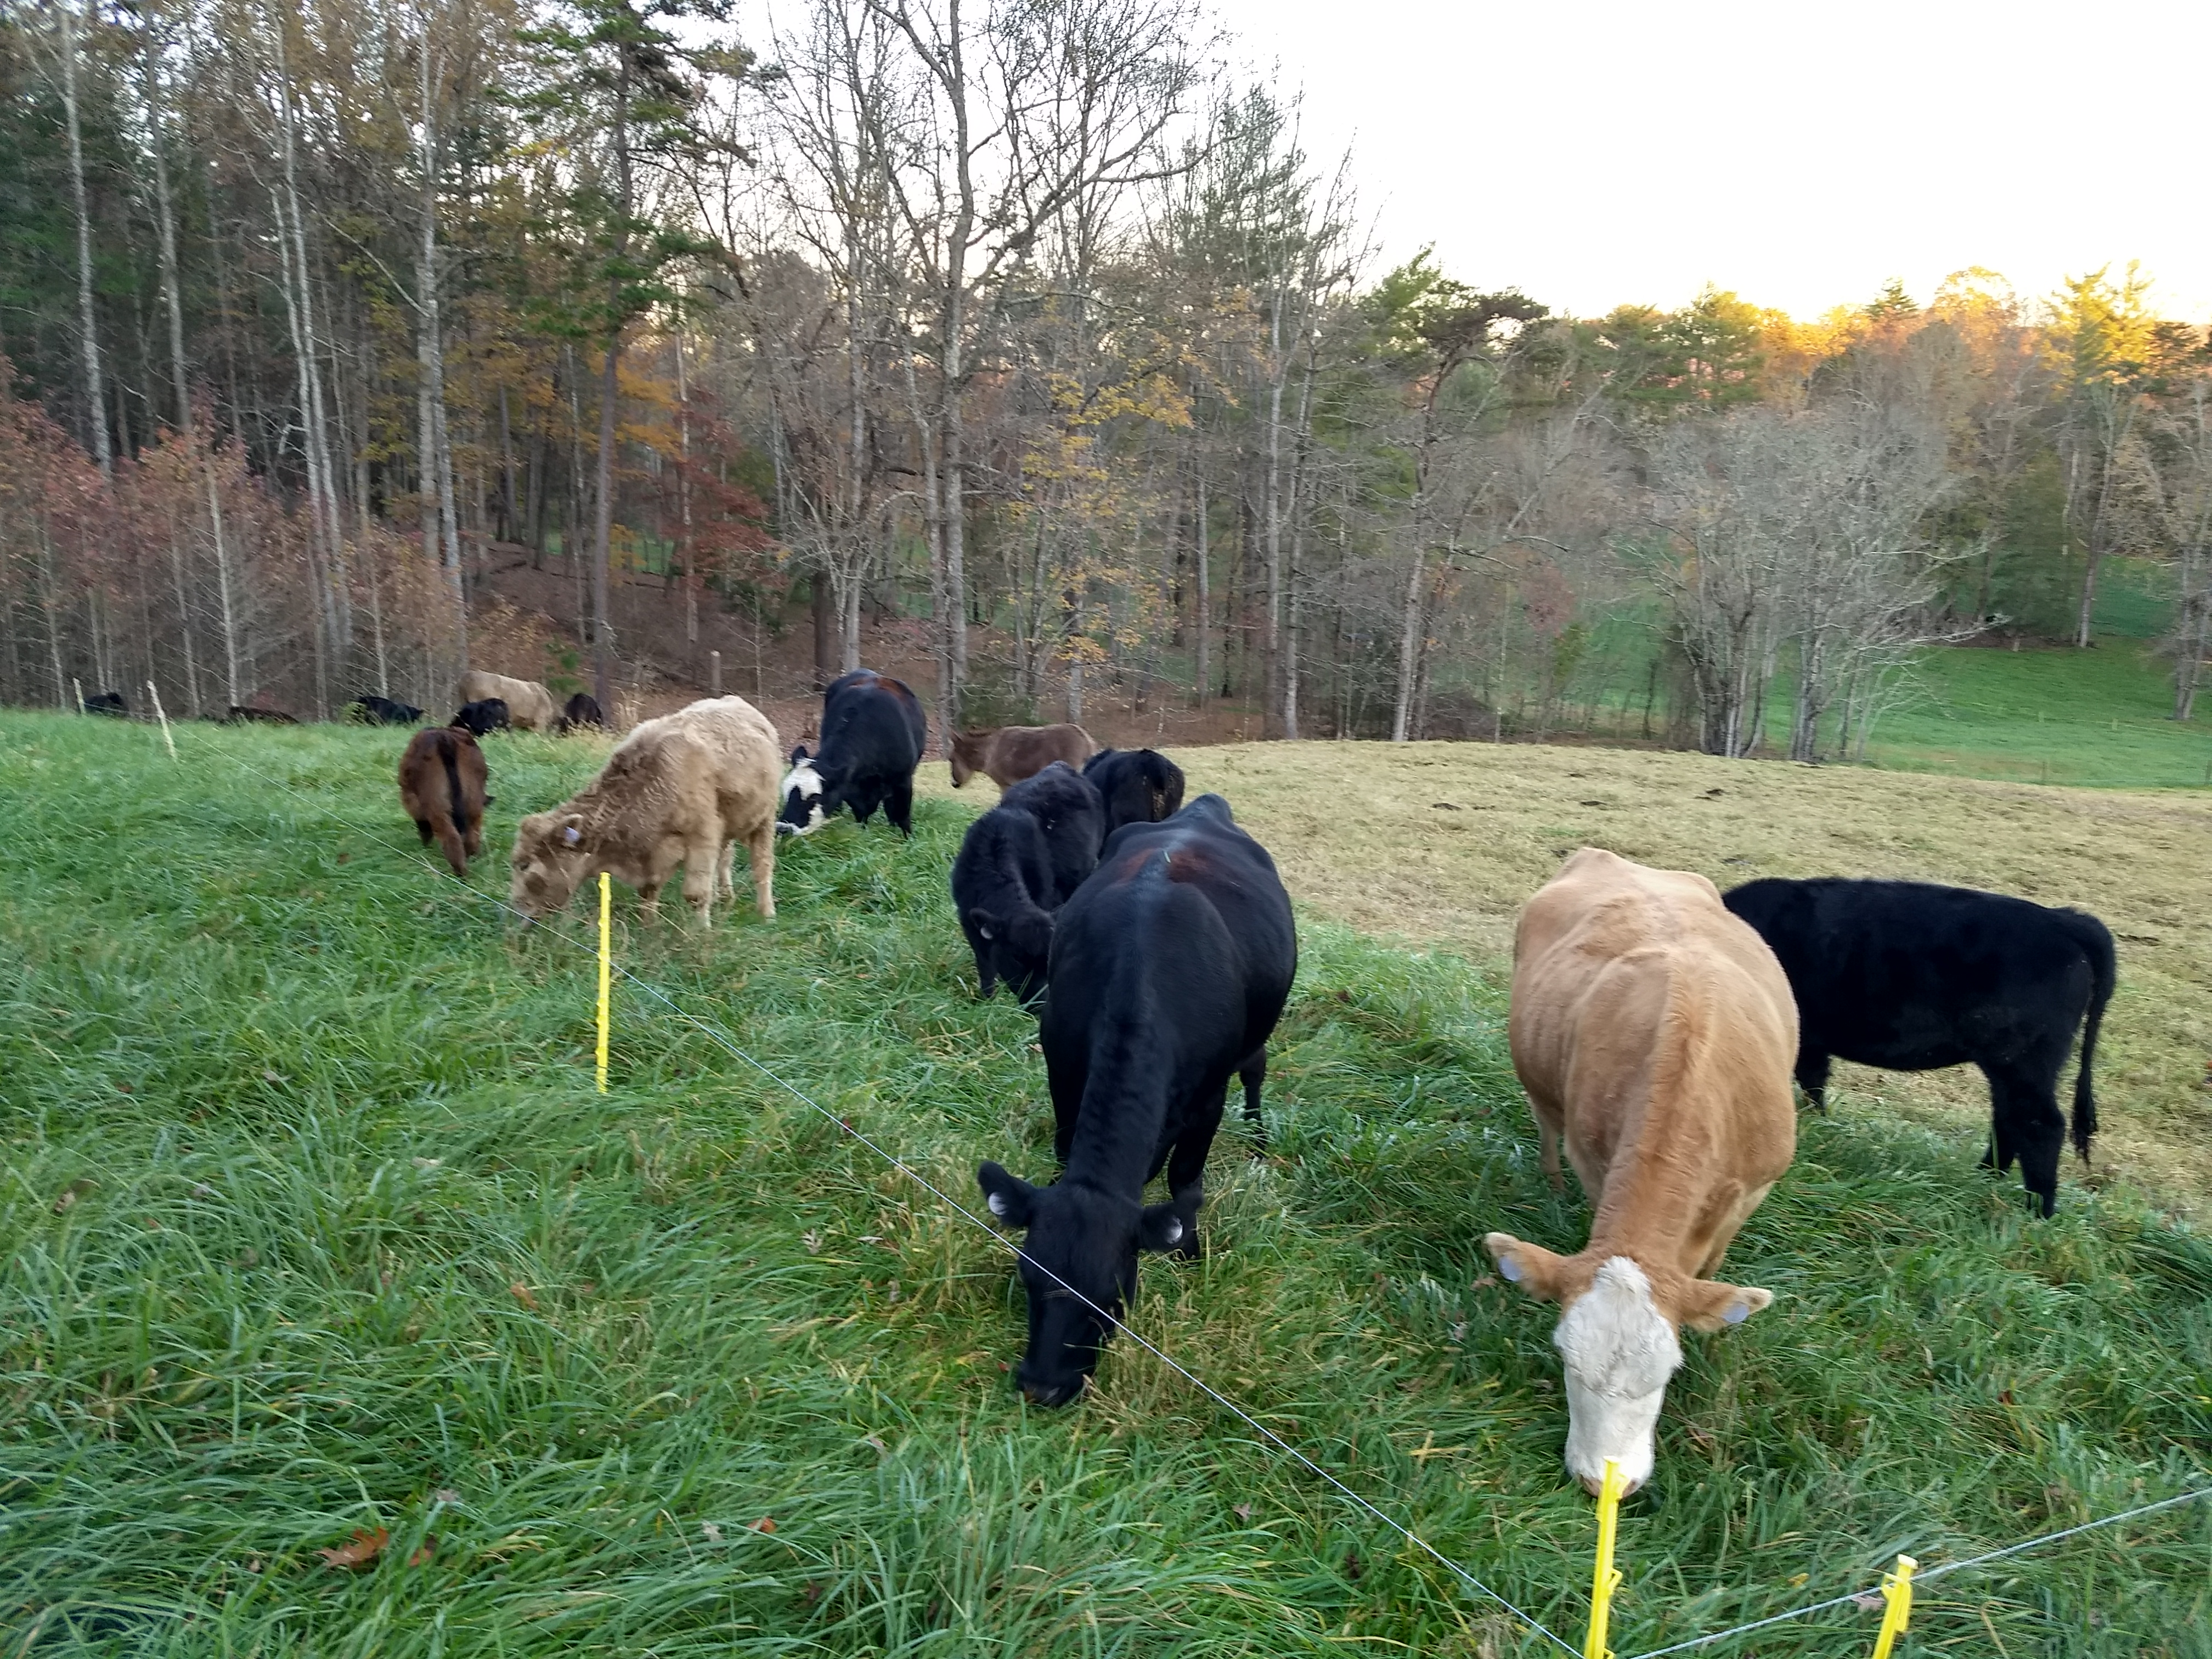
(313, 1226)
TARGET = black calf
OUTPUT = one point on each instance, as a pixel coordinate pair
(1138, 786)
(1170, 968)
(580, 710)
(382, 711)
(1020, 862)
(1910, 976)
(109, 703)
(488, 714)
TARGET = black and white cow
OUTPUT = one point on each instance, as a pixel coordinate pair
(482, 717)
(1020, 862)
(873, 736)
(1138, 786)
(1170, 968)
(382, 711)
(1910, 976)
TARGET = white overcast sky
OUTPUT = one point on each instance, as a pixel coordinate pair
(1596, 152)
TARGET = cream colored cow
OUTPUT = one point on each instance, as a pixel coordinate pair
(529, 704)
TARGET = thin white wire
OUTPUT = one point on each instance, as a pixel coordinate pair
(1928, 1575)
(717, 1035)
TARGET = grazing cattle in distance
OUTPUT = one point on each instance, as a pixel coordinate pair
(1654, 1032)
(529, 704)
(1909, 976)
(581, 710)
(482, 718)
(873, 736)
(1170, 968)
(1018, 864)
(1138, 786)
(1007, 753)
(441, 788)
(109, 703)
(242, 714)
(682, 789)
(382, 711)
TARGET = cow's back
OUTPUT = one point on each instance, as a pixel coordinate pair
(529, 704)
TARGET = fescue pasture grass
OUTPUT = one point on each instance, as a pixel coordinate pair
(312, 1224)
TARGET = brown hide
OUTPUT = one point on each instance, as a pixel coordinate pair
(428, 792)
(682, 789)
(1654, 1033)
(529, 704)
(1007, 753)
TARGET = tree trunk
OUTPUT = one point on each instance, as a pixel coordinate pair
(95, 402)
(441, 542)
(1205, 594)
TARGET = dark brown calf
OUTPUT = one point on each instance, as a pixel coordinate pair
(441, 788)
(1007, 753)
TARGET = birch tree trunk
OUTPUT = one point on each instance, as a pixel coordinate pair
(96, 401)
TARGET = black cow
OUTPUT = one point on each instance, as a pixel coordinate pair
(873, 736)
(1170, 968)
(1020, 862)
(1910, 976)
(109, 703)
(382, 711)
(580, 710)
(488, 714)
(1138, 786)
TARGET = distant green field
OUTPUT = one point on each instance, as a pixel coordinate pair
(312, 1227)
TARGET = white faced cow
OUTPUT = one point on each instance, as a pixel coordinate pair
(1654, 1034)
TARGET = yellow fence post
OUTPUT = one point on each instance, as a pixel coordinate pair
(1897, 1590)
(606, 967)
(1605, 1580)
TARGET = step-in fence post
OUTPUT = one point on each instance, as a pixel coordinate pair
(606, 967)
(1897, 1590)
(1605, 1580)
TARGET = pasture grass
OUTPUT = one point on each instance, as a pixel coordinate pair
(312, 1225)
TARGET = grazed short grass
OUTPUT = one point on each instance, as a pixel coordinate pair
(312, 1222)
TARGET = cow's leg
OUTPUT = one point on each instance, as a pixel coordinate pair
(898, 807)
(760, 848)
(1186, 1173)
(2025, 1123)
(702, 869)
(1547, 1152)
(726, 876)
(1067, 1078)
(449, 842)
(1812, 1077)
(1253, 1073)
(422, 829)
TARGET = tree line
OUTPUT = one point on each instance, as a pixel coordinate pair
(1018, 328)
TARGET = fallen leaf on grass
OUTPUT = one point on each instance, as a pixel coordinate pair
(1866, 1603)
(446, 1496)
(522, 1292)
(710, 1532)
(1242, 1511)
(366, 1545)
(74, 1191)
(429, 1547)
(271, 1077)
(766, 1524)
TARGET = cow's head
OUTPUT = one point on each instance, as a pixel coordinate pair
(806, 804)
(1078, 1267)
(1617, 1334)
(1019, 945)
(967, 756)
(551, 855)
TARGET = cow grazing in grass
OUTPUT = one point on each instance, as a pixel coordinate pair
(441, 788)
(682, 789)
(382, 711)
(529, 704)
(1910, 976)
(1170, 968)
(109, 703)
(482, 718)
(1653, 1033)
(1007, 753)
(246, 714)
(873, 736)
(581, 710)
(1020, 863)
(1138, 786)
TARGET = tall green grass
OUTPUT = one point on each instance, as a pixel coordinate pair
(312, 1224)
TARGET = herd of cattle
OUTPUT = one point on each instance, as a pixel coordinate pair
(1656, 1023)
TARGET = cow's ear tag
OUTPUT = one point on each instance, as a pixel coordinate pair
(572, 835)
(1736, 1313)
(1510, 1267)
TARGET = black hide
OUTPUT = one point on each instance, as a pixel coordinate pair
(479, 718)
(1910, 976)
(1020, 862)
(1138, 786)
(873, 736)
(382, 711)
(109, 703)
(583, 709)
(1169, 969)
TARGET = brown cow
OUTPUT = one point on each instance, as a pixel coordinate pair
(1007, 753)
(1654, 1034)
(529, 704)
(682, 789)
(441, 788)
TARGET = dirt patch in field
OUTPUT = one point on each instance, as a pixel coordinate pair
(1439, 844)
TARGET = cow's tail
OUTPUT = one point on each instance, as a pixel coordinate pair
(2096, 941)
(449, 751)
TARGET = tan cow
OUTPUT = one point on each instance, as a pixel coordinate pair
(1654, 1034)
(682, 789)
(529, 704)
(1007, 753)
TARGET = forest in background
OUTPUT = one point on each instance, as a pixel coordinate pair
(1022, 332)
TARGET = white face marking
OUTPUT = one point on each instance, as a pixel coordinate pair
(1619, 1351)
(805, 782)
